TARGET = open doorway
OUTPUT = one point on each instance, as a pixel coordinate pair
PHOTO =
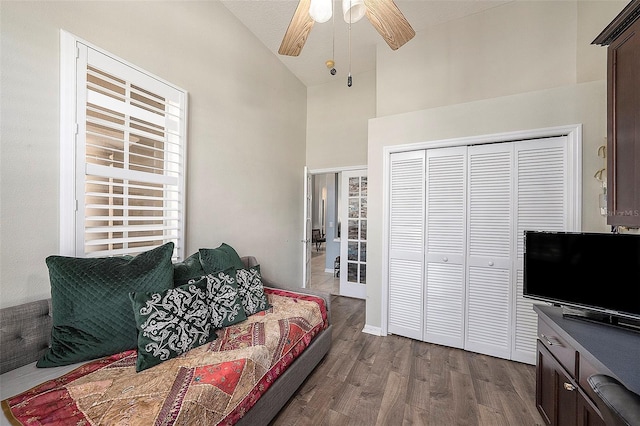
(325, 222)
(336, 209)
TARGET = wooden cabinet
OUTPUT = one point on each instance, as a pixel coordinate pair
(555, 402)
(560, 400)
(569, 351)
(588, 414)
(622, 37)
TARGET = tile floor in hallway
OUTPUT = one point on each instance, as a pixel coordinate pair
(321, 280)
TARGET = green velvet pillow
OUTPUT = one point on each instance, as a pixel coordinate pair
(251, 290)
(187, 269)
(171, 322)
(225, 303)
(92, 314)
(220, 259)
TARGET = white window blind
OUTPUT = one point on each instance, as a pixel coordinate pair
(129, 159)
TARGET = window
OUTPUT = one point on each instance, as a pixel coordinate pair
(122, 156)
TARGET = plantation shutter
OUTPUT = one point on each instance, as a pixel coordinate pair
(406, 244)
(129, 158)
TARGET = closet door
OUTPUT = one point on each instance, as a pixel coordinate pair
(489, 257)
(542, 194)
(445, 245)
(406, 244)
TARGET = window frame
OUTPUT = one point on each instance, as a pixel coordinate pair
(71, 171)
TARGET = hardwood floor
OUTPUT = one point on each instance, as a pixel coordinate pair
(392, 380)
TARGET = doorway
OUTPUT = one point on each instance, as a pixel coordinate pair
(325, 223)
(329, 216)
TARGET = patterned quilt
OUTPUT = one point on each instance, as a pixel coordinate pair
(212, 384)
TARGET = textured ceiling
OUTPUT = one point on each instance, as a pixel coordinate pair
(269, 19)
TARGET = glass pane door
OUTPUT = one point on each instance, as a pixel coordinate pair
(353, 274)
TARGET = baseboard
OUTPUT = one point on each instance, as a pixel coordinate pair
(369, 329)
(329, 270)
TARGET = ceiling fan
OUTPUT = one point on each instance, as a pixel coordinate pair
(384, 15)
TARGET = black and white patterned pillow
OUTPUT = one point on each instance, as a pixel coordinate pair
(223, 297)
(171, 322)
(251, 290)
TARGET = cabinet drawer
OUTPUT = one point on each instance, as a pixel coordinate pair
(558, 347)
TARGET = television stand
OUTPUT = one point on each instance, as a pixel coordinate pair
(569, 352)
(601, 318)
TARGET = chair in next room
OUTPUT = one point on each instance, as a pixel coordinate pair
(317, 238)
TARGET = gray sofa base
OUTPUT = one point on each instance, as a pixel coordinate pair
(270, 404)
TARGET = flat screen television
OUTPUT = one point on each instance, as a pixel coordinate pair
(594, 272)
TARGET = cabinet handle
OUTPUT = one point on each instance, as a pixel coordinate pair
(569, 386)
(445, 259)
(490, 263)
(549, 342)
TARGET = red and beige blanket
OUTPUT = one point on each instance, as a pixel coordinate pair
(211, 384)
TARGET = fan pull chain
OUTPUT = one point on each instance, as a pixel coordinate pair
(333, 39)
(349, 80)
(331, 62)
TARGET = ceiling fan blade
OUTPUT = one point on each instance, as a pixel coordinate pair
(298, 30)
(389, 21)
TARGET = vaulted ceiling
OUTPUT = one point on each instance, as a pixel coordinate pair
(269, 19)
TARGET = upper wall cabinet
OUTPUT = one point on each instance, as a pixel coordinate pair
(622, 36)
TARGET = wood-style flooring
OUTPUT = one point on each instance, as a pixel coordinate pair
(392, 380)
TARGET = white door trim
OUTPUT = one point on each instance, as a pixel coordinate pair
(335, 170)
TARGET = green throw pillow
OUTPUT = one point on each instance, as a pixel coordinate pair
(226, 304)
(251, 290)
(220, 259)
(171, 322)
(187, 269)
(92, 314)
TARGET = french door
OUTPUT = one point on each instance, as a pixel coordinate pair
(353, 231)
(306, 234)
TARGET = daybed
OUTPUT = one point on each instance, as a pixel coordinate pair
(26, 335)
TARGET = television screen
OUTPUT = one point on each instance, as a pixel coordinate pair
(596, 271)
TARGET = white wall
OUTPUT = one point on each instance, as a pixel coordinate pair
(521, 66)
(515, 48)
(247, 124)
(337, 121)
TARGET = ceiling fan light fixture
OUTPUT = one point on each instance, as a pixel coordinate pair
(320, 10)
(353, 10)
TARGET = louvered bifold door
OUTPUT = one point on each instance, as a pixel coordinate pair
(130, 149)
(445, 245)
(489, 249)
(406, 237)
(541, 201)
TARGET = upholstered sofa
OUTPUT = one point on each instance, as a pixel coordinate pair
(25, 335)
